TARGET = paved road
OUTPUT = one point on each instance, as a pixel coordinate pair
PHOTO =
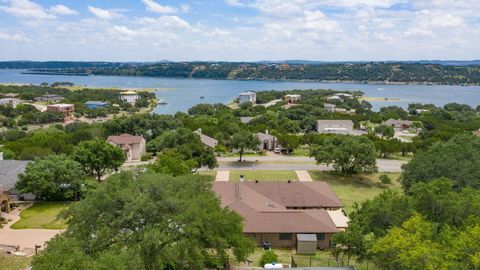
(280, 162)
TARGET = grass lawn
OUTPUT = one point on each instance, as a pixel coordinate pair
(41, 216)
(356, 188)
(14, 263)
(213, 174)
(264, 175)
(303, 151)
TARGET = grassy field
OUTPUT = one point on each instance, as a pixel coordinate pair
(213, 174)
(14, 263)
(356, 188)
(264, 175)
(41, 216)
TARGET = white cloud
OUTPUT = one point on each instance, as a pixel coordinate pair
(157, 8)
(166, 21)
(185, 8)
(26, 9)
(63, 10)
(12, 37)
(103, 14)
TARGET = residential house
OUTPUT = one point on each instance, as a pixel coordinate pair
(130, 97)
(267, 142)
(334, 97)
(9, 172)
(49, 98)
(10, 101)
(398, 125)
(291, 99)
(93, 105)
(335, 126)
(277, 212)
(247, 97)
(329, 107)
(206, 140)
(246, 120)
(344, 95)
(134, 147)
(66, 109)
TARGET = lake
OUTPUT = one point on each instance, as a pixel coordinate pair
(182, 94)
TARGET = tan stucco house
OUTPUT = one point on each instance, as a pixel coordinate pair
(134, 147)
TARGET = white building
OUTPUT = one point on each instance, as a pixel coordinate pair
(10, 101)
(247, 97)
(130, 97)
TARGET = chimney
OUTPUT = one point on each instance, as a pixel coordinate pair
(1, 155)
(266, 131)
(241, 178)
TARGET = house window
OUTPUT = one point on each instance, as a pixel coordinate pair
(285, 236)
(320, 236)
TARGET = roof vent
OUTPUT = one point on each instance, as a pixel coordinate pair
(241, 178)
(289, 181)
(256, 181)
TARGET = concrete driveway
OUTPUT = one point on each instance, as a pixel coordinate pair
(25, 238)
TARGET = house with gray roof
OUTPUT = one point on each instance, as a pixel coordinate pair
(398, 125)
(9, 172)
(206, 140)
(267, 142)
(246, 120)
(335, 126)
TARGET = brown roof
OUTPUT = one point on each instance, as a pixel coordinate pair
(264, 212)
(125, 139)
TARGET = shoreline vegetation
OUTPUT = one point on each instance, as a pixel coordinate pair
(386, 73)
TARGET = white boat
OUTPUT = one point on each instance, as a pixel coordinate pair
(162, 102)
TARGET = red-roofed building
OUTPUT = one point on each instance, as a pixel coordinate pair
(134, 147)
(278, 212)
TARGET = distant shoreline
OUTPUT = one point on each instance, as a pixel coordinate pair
(252, 79)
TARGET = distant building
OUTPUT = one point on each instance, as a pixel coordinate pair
(52, 98)
(130, 97)
(398, 125)
(10, 101)
(93, 105)
(335, 126)
(246, 120)
(247, 97)
(66, 109)
(344, 95)
(9, 95)
(329, 107)
(267, 142)
(206, 140)
(293, 98)
(134, 147)
(335, 97)
(283, 67)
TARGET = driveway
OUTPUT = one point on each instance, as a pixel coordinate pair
(25, 238)
(281, 162)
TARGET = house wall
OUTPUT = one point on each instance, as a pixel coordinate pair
(274, 239)
(138, 150)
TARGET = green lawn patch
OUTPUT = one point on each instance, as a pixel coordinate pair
(212, 174)
(42, 215)
(356, 188)
(264, 175)
(14, 263)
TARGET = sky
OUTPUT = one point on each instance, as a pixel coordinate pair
(239, 30)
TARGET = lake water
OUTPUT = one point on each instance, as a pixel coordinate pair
(184, 93)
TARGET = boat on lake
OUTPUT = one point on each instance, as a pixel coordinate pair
(162, 102)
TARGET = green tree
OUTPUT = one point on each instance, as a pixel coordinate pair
(347, 154)
(171, 163)
(55, 177)
(97, 156)
(154, 221)
(411, 247)
(458, 159)
(289, 142)
(384, 131)
(244, 140)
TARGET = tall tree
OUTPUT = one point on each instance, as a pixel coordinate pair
(384, 131)
(97, 156)
(244, 140)
(55, 177)
(347, 154)
(458, 159)
(155, 221)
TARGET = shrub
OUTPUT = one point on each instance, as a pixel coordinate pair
(268, 256)
(146, 157)
(385, 180)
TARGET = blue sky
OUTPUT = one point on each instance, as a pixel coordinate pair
(239, 30)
